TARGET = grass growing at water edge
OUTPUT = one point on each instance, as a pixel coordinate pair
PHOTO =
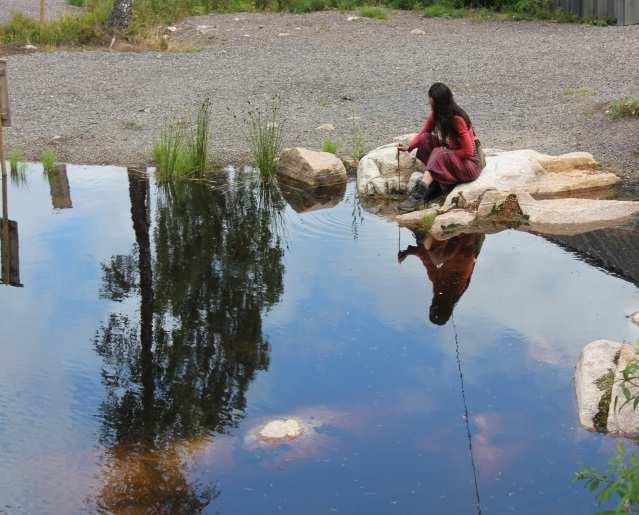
(183, 151)
(17, 167)
(48, 159)
(358, 147)
(264, 133)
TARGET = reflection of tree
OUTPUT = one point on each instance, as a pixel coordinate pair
(183, 369)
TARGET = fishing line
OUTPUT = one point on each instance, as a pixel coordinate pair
(466, 418)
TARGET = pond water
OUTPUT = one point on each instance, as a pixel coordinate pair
(149, 331)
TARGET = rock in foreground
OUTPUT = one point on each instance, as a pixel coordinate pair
(380, 173)
(598, 384)
(311, 168)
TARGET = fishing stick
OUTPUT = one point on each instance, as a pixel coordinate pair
(466, 418)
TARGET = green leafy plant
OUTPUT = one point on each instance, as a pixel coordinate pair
(48, 159)
(619, 484)
(264, 134)
(624, 108)
(373, 11)
(328, 145)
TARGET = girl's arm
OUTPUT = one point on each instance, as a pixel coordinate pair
(466, 141)
(419, 138)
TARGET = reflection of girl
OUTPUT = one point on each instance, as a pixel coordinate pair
(446, 146)
(450, 265)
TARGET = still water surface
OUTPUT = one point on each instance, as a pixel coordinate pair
(155, 329)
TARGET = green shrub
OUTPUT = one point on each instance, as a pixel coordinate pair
(624, 108)
(373, 11)
(328, 145)
(264, 132)
(48, 159)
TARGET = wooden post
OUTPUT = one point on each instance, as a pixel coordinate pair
(5, 121)
(5, 209)
(41, 21)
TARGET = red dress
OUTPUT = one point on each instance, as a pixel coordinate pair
(451, 163)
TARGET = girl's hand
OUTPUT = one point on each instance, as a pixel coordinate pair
(402, 147)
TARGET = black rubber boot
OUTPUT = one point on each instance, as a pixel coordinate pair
(419, 196)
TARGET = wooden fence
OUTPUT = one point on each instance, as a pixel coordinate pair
(625, 11)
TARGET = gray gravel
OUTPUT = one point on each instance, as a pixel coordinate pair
(510, 77)
(54, 8)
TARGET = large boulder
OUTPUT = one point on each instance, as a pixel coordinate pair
(380, 174)
(599, 384)
(311, 168)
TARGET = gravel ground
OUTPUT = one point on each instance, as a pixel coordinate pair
(509, 76)
(54, 8)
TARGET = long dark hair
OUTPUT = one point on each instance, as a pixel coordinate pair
(445, 109)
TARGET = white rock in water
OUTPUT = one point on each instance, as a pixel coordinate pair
(623, 420)
(418, 32)
(281, 430)
(596, 360)
(635, 317)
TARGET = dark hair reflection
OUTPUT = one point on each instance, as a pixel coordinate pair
(449, 265)
(179, 369)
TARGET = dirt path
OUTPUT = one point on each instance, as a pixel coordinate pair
(107, 107)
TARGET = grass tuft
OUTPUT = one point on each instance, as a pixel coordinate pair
(264, 132)
(624, 108)
(48, 159)
(581, 91)
(17, 167)
(183, 151)
(373, 11)
(328, 145)
(358, 147)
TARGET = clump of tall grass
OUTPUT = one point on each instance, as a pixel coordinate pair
(328, 145)
(624, 108)
(48, 159)
(264, 132)
(183, 151)
(17, 167)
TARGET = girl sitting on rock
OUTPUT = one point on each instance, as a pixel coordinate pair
(446, 145)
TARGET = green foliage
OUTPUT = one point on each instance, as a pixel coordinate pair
(624, 108)
(373, 11)
(264, 133)
(83, 29)
(497, 10)
(620, 484)
(581, 91)
(77, 3)
(183, 151)
(328, 145)
(48, 159)
(428, 219)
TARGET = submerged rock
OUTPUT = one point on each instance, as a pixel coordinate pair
(281, 430)
(599, 383)
(311, 168)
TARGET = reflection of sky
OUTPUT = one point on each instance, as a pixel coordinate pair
(350, 336)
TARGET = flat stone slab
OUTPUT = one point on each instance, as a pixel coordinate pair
(281, 430)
